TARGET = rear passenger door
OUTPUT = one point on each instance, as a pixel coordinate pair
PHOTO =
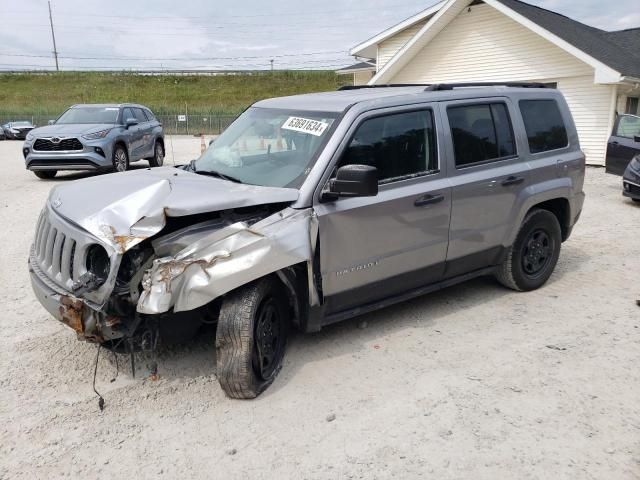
(377, 247)
(488, 180)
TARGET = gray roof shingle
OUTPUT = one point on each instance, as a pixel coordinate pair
(618, 50)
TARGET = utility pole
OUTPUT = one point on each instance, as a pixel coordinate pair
(271, 65)
(53, 36)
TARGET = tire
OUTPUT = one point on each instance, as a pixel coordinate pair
(531, 259)
(158, 155)
(45, 174)
(120, 159)
(247, 315)
(637, 200)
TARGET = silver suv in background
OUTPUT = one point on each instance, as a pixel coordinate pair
(105, 137)
(312, 209)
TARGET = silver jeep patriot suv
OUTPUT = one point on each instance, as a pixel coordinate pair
(313, 209)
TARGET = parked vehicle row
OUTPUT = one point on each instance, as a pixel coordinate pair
(264, 232)
(16, 130)
(105, 137)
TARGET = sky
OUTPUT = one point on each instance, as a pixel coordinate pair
(225, 34)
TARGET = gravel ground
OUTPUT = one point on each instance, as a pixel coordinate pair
(473, 382)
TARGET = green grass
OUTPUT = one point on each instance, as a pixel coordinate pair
(52, 93)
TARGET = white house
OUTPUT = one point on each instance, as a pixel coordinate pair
(509, 40)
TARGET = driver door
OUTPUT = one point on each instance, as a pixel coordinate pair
(372, 248)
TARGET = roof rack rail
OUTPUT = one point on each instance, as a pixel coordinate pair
(436, 87)
(386, 85)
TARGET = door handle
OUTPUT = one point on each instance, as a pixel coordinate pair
(512, 180)
(428, 200)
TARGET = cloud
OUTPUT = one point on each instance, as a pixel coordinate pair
(228, 34)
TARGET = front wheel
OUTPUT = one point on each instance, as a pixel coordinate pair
(158, 156)
(120, 159)
(251, 338)
(533, 256)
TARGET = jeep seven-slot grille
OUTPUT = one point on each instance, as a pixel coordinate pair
(54, 251)
(65, 144)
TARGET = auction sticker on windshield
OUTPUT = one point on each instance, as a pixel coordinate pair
(305, 125)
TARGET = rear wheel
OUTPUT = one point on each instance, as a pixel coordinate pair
(533, 256)
(251, 338)
(120, 159)
(158, 156)
(45, 174)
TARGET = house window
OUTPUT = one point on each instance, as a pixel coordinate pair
(632, 106)
(544, 125)
(481, 133)
(399, 146)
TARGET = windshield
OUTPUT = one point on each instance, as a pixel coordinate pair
(89, 115)
(269, 147)
(21, 124)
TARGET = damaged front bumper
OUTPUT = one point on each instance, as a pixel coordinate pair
(81, 315)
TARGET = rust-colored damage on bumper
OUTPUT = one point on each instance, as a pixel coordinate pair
(71, 310)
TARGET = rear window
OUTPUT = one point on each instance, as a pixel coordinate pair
(481, 133)
(544, 125)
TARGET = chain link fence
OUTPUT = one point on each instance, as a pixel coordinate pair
(173, 123)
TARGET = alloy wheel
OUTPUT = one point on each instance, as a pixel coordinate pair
(536, 253)
(120, 160)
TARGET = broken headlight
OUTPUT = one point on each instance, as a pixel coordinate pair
(98, 262)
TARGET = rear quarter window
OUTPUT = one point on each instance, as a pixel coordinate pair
(544, 125)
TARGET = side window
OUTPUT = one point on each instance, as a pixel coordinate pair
(481, 133)
(140, 116)
(127, 113)
(398, 145)
(544, 125)
(150, 115)
(628, 126)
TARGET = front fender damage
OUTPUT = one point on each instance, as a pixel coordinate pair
(229, 258)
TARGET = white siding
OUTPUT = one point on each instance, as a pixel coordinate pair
(484, 45)
(592, 107)
(362, 78)
(389, 47)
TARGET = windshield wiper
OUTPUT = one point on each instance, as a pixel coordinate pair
(212, 173)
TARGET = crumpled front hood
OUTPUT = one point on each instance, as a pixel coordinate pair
(64, 129)
(123, 209)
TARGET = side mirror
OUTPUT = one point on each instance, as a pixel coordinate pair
(51, 122)
(211, 142)
(636, 138)
(353, 181)
(130, 122)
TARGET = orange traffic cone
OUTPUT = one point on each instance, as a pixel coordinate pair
(203, 147)
(279, 141)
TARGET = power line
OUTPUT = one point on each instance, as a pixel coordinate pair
(265, 57)
(306, 13)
